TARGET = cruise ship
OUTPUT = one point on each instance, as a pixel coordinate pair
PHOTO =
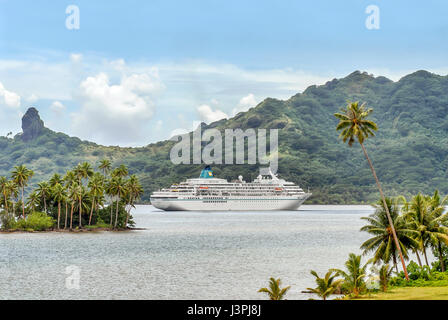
(208, 193)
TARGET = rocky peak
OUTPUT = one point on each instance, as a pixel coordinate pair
(32, 125)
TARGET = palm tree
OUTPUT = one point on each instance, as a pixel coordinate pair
(74, 193)
(105, 165)
(43, 189)
(275, 292)
(13, 192)
(55, 179)
(69, 179)
(355, 126)
(96, 186)
(58, 193)
(82, 171)
(122, 171)
(354, 274)
(118, 189)
(427, 220)
(21, 175)
(110, 193)
(5, 191)
(384, 275)
(33, 200)
(382, 242)
(325, 286)
(135, 190)
(437, 207)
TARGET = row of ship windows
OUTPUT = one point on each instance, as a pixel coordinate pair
(235, 187)
(240, 200)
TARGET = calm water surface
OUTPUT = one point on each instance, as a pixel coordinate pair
(184, 255)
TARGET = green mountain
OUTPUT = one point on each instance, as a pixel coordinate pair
(410, 151)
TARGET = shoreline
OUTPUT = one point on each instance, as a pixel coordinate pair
(83, 230)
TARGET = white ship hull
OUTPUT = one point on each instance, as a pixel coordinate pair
(233, 204)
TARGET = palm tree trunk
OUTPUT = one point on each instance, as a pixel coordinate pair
(387, 211)
(116, 214)
(59, 214)
(442, 263)
(23, 203)
(426, 258)
(6, 204)
(91, 210)
(395, 262)
(71, 216)
(127, 213)
(111, 208)
(45, 205)
(66, 213)
(80, 212)
(418, 258)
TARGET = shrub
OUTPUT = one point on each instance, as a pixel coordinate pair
(104, 216)
(7, 221)
(36, 221)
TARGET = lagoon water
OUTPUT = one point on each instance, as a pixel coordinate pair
(183, 255)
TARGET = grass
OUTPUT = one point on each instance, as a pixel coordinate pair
(409, 293)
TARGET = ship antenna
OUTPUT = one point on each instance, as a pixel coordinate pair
(273, 176)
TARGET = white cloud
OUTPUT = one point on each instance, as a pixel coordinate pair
(116, 113)
(9, 98)
(32, 98)
(57, 107)
(10, 112)
(245, 104)
(75, 57)
(208, 115)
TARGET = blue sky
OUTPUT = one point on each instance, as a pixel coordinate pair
(137, 71)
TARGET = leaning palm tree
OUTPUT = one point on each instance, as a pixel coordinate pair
(58, 193)
(275, 292)
(428, 222)
(21, 175)
(326, 285)
(355, 126)
(382, 242)
(354, 274)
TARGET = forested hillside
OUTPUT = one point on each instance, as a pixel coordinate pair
(410, 151)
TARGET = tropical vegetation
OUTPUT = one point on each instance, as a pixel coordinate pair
(79, 199)
(327, 285)
(355, 126)
(275, 291)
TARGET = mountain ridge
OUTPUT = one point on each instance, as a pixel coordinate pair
(409, 151)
